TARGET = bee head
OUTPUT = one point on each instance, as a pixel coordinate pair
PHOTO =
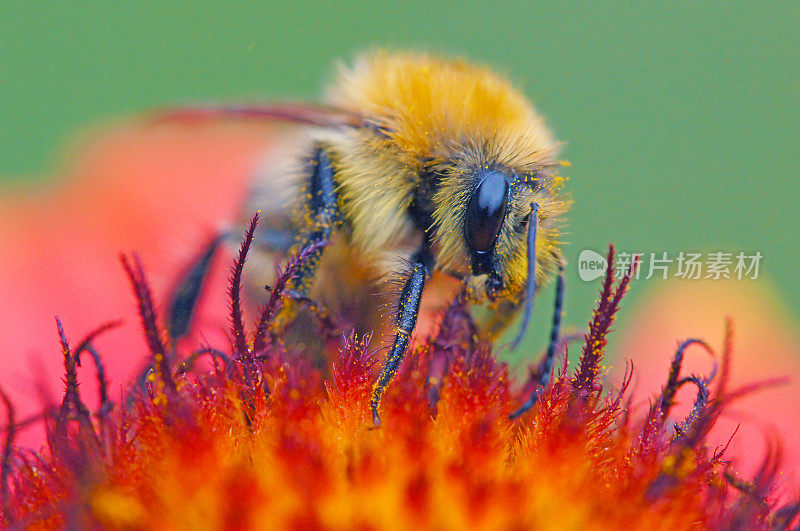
(464, 153)
(497, 224)
(483, 220)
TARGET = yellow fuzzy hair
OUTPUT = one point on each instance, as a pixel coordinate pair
(449, 118)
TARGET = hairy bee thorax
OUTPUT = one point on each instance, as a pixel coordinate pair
(433, 127)
(418, 165)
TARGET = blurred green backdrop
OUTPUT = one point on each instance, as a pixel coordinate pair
(681, 121)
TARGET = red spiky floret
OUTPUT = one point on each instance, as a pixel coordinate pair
(584, 382)
(158, 349)
(456, 333)
(72, 406)
(673, 383)
(241, 348)
(351, 380)
(214, 453)
(85, 345)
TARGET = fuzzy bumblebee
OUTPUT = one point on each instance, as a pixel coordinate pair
(417, 168)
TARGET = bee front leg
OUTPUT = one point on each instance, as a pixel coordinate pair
(406, 320)
(546, 365)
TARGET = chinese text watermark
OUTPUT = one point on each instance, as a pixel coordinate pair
(685, 265)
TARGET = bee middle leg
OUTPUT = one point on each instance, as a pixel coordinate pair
(323, 212)
(406, 321)
(323, 216)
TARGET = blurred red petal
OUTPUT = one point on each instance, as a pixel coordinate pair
(765, 345)
(159, 190)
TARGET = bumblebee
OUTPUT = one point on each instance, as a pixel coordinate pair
(418, 168)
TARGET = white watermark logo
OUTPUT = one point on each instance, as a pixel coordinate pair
(591, 265)
(686, 265)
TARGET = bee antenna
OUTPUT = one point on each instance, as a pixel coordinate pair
(530, 288)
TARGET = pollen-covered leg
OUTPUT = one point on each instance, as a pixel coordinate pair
(406, 320)
(323, 214)
(546, 366)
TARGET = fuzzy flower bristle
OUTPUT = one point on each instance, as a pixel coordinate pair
(267, 438)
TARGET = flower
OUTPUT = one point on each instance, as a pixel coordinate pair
(267, 439)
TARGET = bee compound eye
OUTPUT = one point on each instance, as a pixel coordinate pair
(486, 211)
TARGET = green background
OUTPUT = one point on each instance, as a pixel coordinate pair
(681, 121)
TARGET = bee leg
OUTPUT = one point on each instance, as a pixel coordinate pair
(324, 216)
(184, 298)
(183, 301)
(324, 211)
(546, 365)
(406, 320)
